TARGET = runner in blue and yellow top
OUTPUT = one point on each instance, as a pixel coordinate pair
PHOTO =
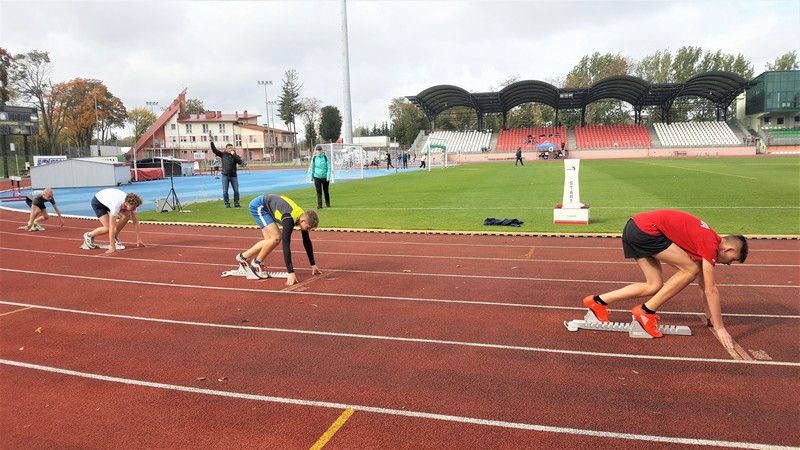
(269, 210)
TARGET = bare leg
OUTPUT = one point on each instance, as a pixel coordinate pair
(272, 237)
(687, 271)
(100, 230)
(651, 268)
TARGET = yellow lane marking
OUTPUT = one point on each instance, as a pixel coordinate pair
(15, 311)
(333, 429)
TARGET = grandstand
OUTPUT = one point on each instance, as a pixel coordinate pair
(696, 134)
(767, 115)
(612, 136)
(529, 138)
(473, 141)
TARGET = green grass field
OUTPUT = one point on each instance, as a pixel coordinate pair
(752, 196)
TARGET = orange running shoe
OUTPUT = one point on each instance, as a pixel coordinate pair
(648, 321)
(600, 311)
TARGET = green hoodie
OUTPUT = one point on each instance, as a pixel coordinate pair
(321, 166)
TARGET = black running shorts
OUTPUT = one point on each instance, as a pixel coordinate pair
(29, 202)
(638, 244)
(100, 209)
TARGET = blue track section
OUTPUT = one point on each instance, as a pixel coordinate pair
(199, 188)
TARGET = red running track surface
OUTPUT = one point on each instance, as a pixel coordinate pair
(405, 341)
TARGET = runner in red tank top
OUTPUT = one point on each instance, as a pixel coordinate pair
(684, 242)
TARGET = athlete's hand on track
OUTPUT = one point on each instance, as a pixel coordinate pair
(315, 270)
(725, 338)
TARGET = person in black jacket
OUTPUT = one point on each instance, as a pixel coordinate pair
(229, 160)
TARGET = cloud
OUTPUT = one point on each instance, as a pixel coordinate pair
(149, 51)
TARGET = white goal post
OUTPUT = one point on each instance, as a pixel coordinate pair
(347, 161)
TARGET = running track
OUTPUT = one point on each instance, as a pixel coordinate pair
(406, 341)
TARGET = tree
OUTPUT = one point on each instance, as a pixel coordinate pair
(5, 65)
(90, 109)
(407, 121)
(311, 134)
(787, 61)
(289, 106)
(592, 69)
(140, 120)
(195, 106)
(330, 123)
(29, 77)
(310, 111)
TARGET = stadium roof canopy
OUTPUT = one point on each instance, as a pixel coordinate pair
(719, 87)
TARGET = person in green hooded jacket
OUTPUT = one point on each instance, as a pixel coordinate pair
(321, 173)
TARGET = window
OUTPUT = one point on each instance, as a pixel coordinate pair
(188, 128)
(173, 127)
(237, 140)
(183, 138)
(205, 128)
(203, 138)
(222, 128)
(172, 139)
(780, 120)
(226, 138)
(192, 138)
(796, 119)
(252, 138)
(766, 120)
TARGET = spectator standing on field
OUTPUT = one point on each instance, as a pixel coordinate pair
(229, 160)
(321, 173)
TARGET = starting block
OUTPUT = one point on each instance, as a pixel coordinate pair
(242, 272)
(634, 329)
(101, 246)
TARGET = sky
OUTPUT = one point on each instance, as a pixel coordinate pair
(149, 51)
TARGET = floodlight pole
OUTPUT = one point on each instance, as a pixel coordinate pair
(348, 113)
(266, 113)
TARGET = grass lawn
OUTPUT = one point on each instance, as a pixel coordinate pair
(752, 196)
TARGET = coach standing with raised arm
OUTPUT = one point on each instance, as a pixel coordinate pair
(229, 160)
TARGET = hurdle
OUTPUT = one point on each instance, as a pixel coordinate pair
(16, 190)
(634, 329)
(242, 272)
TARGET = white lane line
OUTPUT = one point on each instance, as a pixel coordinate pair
(372, 296)
(399, 412)
(442, 275)
(405, 339)
(699, 170)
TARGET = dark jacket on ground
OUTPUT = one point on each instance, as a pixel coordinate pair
(229, 161)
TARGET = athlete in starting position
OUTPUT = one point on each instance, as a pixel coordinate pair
(267, 210)
(107, 205)
(684, 242)
(35, 200)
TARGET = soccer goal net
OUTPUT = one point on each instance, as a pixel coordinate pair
(347, 161)
(435, 153)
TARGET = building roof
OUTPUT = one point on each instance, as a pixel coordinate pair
(719, 87)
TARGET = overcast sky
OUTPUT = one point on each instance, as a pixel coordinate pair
(149, 51)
